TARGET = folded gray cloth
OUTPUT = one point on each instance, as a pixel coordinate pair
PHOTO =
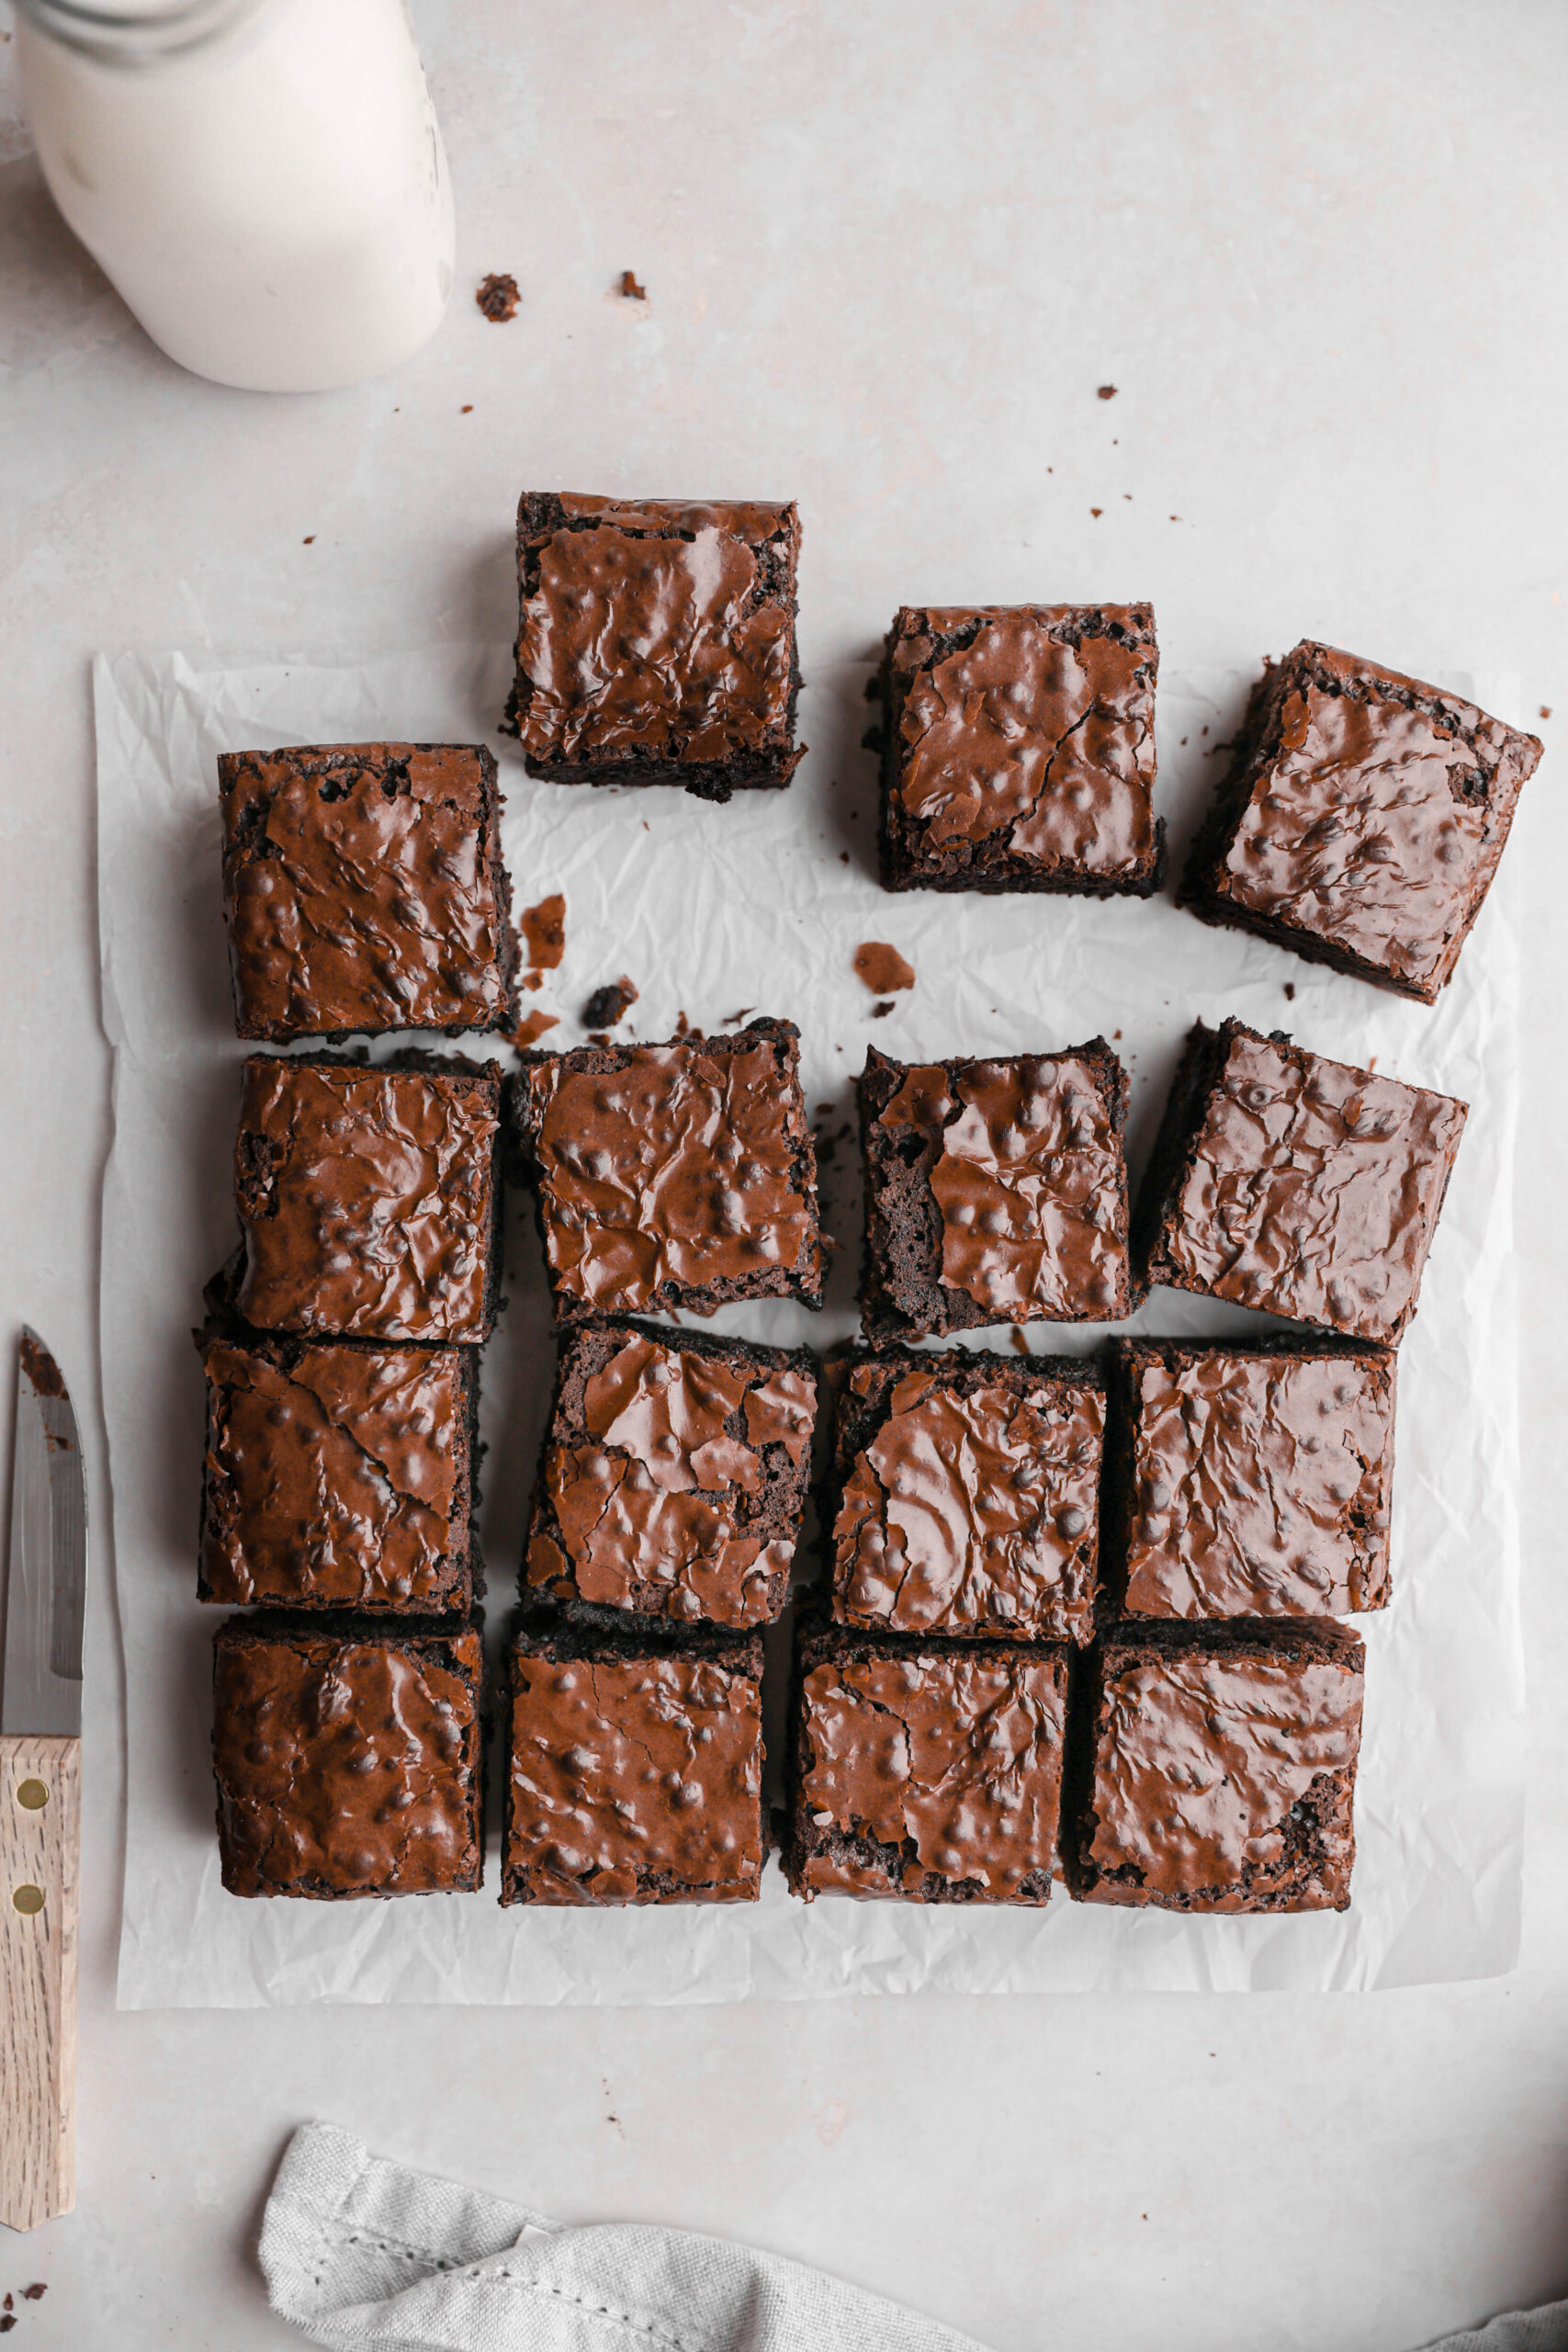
(369, 2257)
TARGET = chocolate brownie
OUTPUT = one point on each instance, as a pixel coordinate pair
(674, 1475)
(996, 1192)
(1219, 1769)
(966, 1494)
(1296, 1186)
(931, 1774)
(655, 642)
(339, 1475)
(367, 1197)
(681, 1175)
(363, 890)
(1363, 819)
(348, 1757)
(635, 1766)
(1250, 1480)
(1018, 750)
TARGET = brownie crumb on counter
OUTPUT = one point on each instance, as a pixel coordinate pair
(996, 1192)
(627, 286)
(882, 968)
(544, 931)
(930, 1775)
(1217, 1769)
(965, 1495)
(634, 1766)
(1363, 819)
(1250, 1479)
(365, 892)
(1295, 1185)
(339, 1475)
(367, 1197)
(656, 643)
(679, 1176)
(609, 1005)
(347, 1758)
(497, 297)
(673, 1476)
(1019, 750)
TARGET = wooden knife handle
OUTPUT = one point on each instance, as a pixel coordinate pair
(40, 1844)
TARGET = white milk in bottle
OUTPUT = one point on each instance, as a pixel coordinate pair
(262, 180)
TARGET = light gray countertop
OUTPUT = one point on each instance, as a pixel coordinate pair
(890, 252)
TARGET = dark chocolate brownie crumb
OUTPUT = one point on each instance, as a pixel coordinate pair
(497, 297)
(610, 1004)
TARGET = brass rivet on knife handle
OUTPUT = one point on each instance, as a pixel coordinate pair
(38, 1846)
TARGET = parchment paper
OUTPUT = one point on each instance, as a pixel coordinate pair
(760, 905)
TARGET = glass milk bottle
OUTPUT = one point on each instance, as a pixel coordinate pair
(262, 180)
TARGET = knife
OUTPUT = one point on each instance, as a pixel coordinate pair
(40, 1798)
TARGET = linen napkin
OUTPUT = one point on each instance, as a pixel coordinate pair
(370, 2256)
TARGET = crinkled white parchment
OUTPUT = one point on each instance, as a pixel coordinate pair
(711, 911)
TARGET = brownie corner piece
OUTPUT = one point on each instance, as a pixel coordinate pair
(338, 1474)
(1218, 1768)
(365, 891)
(996, 1190)
(929, 1773)
(655, 642)
(674, 1176)
(635, 1765)
(674, 1475)
(1295, 1185)
(965, 1495)
(1019, 750)
(348, 1757)
(1249, 1479)
(1363, 819)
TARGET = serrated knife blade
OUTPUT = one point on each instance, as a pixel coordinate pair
(46, 1586)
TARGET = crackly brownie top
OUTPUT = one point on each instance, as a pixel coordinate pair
(676, 1164)
(974, 1507)
(332, 1471)
(1201, 1754)
(1377, 814)
(654, 628)
(358, 888)
(1030, 1182)
(659, 1498)
(958, 1756)
(1037, 723)
(631, 1771)
(1259, 1482)
(346, 1764)
(1313, 1187)
(364, 1198)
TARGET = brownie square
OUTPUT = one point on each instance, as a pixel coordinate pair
(681, 1175)
(655, 642)
(674, 1475)
(1293, 1184)
(635, 1766)
(1363, 819)
(932, 1775)
(1250, 1481)
(363, 890)
(367, 1197)
(1221, 1770)
(1018, 750)
(347, 1754)
(996, 1192)
(339, 1475)
(966, 1494)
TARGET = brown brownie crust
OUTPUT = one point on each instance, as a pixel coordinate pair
(1019, 750)
(1223, 1768)
(674, 1475)
(966, 1494)
(363, 890)
(1362, 821)
(346, 1753)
